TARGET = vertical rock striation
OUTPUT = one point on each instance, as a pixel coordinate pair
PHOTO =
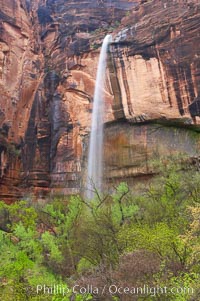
(20, 76)
(156, 58)
(48, 61)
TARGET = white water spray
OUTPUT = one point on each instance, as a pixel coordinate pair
(95, 156)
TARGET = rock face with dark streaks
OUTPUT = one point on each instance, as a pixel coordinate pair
(156, 59)
(49, 53)
(20, 73)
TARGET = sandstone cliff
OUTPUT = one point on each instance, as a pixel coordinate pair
(48, 60)
(156, 56)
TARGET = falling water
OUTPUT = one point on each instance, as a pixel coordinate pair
(95, 156)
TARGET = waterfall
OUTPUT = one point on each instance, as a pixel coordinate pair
(95, 155)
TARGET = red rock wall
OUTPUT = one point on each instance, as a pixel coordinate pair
(156, 62)
(20, 75)
(48, 61)
(132, 151)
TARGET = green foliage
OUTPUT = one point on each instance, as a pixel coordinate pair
(122, 208)
(151, 235)
(186, 282)
(84, 265)
(28, 241)
(51, 246)
(19, 212)
(21, 253)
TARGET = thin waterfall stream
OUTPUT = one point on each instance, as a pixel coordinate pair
(95, 155)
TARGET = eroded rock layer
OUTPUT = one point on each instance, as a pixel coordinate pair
(133, 152)
(49, 53)
(156, 59)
